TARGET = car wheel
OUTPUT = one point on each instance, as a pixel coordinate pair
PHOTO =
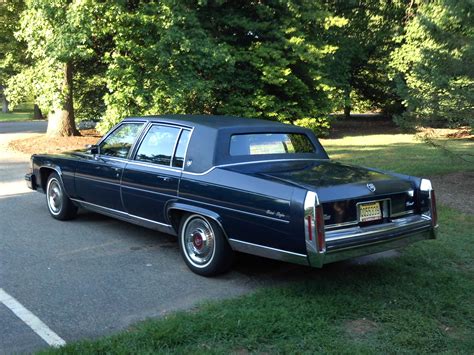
(203, 245)
(59, 204)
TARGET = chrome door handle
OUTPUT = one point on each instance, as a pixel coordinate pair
(163, 178)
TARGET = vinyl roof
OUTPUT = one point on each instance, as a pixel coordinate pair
(212, 121)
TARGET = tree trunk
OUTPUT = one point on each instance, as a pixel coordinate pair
(347, 111)
(4, 104)
(61, 121)
(37, 114)
(347, 103)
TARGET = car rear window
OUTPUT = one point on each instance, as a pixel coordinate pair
(270, 143)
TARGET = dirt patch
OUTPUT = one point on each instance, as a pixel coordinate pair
(362, 125)
(42, 144)
(461, 132)
(360, 327)
(455, 190)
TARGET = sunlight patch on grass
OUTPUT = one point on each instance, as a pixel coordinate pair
(403, 153)
(15, 116)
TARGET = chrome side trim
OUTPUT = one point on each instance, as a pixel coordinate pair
(234, 210)
(102, 181)
(155, 166)
(124, 216)
(109, 157)
(198, 174)
(266, 161)
(247, 163)
(268, 252)
(146, 191)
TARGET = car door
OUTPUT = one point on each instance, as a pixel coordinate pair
(97, 177)
(151, 178)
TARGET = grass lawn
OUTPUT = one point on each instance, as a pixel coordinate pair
(16, 116)
(419, 302)
(22, 112)
(403, 153)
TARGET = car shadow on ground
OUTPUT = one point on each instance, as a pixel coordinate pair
(255, 268)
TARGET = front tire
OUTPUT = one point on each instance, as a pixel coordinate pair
(203, 245)
(59, 205)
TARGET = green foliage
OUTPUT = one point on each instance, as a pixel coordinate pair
(436, 64)
(255, 59)
(9, 17)
(59, 32)
(12, 57)
(291, 61)
(359, 66)
(162, 62)
(320, 126)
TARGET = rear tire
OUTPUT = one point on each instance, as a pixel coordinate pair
(59, 204)
(203, 245)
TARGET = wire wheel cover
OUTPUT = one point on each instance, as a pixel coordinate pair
(199, 241)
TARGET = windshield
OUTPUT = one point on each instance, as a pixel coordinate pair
(270, 143)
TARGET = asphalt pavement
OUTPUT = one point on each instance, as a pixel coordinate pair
(94, 275)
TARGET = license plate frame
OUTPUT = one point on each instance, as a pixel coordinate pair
(370, 211)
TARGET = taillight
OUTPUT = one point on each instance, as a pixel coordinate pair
(434, 212)
(309, 226)
(428, 195)
(314, 229)
(320, 228)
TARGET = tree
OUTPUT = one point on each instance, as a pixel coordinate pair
(435, 64)
(256, 59)
(361, 64)
(11, 51)
(61, 35)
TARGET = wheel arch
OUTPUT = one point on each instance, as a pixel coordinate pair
(176, 210)
(45, 171)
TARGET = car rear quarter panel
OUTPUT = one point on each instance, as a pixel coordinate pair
(252, 209)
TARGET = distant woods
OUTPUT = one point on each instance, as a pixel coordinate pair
(293, 61)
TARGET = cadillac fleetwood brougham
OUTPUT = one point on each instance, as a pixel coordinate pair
(225, 184)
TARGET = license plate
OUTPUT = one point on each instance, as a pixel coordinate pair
(370, 212)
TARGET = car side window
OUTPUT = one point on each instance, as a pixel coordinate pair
(158, 145)
(178, 159)
(119, 142)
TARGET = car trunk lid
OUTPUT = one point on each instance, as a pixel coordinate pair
(341, 188)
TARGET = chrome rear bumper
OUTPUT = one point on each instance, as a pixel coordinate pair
(357, 241)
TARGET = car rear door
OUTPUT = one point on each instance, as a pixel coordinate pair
(151, 178)
(97, 177)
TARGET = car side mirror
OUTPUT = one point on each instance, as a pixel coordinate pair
(95, 149)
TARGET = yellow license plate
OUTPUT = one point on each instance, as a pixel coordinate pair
(370, 212)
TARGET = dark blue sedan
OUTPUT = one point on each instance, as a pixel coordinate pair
(225, 184)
